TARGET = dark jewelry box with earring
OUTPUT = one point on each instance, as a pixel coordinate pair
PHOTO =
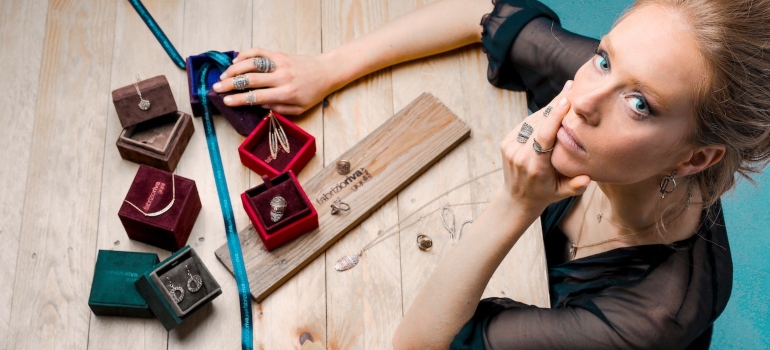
(297, 214)
(194, 64)
(177, 287)
(154, 131)
(256, 154)
(160, 209)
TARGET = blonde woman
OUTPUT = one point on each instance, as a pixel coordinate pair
(636, 138)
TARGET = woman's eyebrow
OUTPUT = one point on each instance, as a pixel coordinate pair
(644, 88)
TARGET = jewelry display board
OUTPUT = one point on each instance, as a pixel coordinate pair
(381, 165)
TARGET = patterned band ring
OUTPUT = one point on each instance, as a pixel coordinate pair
(240, 81)
(263, 65)
(251, 98)
(525, 132)
(547, 111)
(539, 149)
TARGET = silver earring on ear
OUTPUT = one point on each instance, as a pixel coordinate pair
(667, 184)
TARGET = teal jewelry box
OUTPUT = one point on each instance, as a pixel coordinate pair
(112, 290)
(177, 287)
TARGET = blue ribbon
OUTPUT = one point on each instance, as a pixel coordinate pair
(155, 29)
(221, 61)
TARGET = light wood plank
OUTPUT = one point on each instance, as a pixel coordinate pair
(136, 52)
(21, 52)
(493, 113)
(361, 303)
(221, 26)
(61, 207)
(296, 310)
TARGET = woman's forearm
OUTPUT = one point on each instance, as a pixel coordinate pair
(450, 297)
(438, 27)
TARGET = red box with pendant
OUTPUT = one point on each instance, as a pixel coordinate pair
(298, 218)
(255, 150)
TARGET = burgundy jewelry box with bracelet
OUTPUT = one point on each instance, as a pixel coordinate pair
(280, 210)
(255, 152)
(160, 209)
(155, 132)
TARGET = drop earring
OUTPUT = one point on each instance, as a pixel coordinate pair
(196, 279)
(173, 291)
(667, 184)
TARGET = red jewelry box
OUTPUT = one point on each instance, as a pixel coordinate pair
(152, 191)
(157, 136)
(299, 216)
(255, 150)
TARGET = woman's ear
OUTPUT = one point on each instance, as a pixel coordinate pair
(702, 158)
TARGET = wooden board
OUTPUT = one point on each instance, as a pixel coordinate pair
(393, 155)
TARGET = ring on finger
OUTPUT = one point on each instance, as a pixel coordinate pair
(240, 81)
(251, 98)
(539, 149)
(263, 65)
(525, 133)
(547, 111)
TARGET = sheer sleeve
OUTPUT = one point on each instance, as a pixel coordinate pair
(528, 50)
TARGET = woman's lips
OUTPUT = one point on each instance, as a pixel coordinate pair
(567, 137)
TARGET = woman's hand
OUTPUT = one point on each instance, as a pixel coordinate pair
(530, 178)
(296, 84)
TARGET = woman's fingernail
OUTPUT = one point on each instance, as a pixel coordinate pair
(223, 76)
(235, 59)
(563, 102)
(217, 86)
(228, 100)
(568, 85)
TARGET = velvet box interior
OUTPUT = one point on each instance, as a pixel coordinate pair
(243, 118)
(158, 142)
(177, 287)
(162, 211)
(299, 215)
(194, 64)
(255, 150)
(112, 291)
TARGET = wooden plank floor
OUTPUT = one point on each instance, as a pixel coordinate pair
(63, 180)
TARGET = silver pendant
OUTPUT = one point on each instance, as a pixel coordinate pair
(599, 217)
(144, 104)
(572, 251)
(347, 262)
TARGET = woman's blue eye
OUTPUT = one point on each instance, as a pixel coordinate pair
(639, 105)
(601, 61)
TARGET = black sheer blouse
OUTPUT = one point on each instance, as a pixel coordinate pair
(643, 297)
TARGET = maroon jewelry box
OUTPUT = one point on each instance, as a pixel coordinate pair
(243, 118)
(167, 225)
(157, 136)
(299, 216)
(255, 150)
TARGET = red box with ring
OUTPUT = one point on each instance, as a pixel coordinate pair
(164, 210)
(299, 215)
(255, 150)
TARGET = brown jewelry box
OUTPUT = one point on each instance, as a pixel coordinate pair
(158, 136)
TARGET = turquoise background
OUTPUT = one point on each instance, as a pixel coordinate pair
(745, 324)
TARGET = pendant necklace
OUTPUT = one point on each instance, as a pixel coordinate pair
(348, 262)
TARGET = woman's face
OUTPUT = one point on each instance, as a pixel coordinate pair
(631, 104)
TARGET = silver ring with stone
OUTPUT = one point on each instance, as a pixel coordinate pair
(424, 242)
(277, 207)
(251, 98)
(525, 133)
(240, 81)
(343, 167)
(339, 206)
(539, 149)
(263, 65)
